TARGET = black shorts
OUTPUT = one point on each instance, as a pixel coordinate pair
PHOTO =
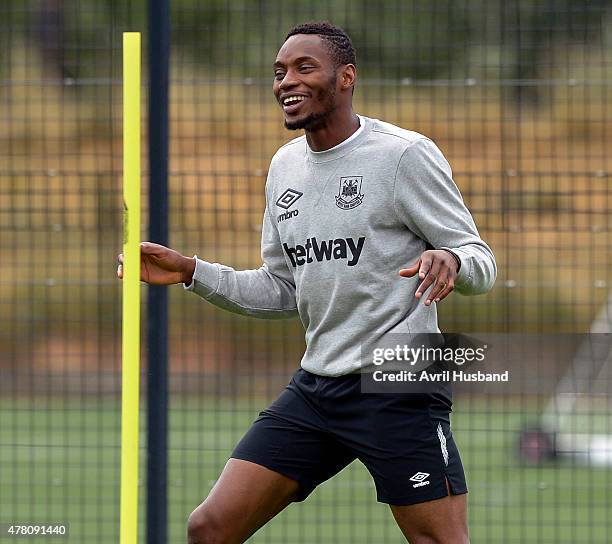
(318, 425)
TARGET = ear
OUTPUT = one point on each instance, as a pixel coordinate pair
(348, 76)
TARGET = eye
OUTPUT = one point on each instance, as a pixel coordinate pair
(306, 67)
(279, 75)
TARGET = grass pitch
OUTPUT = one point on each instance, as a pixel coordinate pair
(59, 462)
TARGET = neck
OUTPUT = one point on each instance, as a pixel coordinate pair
(338, 128)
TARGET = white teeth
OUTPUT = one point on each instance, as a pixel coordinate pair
(292, 99)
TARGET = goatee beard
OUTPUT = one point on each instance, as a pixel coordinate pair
(313, 121)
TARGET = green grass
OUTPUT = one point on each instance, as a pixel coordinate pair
(59, 461)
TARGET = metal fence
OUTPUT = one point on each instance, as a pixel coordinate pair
(517, 96)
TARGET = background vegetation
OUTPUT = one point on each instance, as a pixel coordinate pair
(516, 94)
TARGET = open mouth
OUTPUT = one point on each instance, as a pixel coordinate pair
(293, 103)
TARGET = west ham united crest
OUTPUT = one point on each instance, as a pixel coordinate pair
(349, 194)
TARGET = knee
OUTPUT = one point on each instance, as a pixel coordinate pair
(203, 527)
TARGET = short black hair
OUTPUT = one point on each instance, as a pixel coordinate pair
(340, 45)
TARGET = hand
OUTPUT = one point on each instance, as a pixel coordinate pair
(161, 265)
(436, 267)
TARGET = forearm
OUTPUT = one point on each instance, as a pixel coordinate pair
(256, 293)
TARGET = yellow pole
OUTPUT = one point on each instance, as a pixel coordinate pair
(131, 289)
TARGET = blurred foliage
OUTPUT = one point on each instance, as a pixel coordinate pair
(400, 39)
(538, 184)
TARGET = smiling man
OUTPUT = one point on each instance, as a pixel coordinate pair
(348, 205)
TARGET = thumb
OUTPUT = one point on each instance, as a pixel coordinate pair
(410, 271)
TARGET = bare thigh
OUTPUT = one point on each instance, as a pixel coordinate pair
(244, 498)
(441, 521)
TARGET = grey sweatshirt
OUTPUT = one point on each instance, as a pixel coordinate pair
(337, 228)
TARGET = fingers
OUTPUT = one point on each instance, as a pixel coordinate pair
(120, 266)
(442, 288)
(450, 286)
(410, 271)
(429, 275)
(427, 261)
(435, 269)
(146, 248)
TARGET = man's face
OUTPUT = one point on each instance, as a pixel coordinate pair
(305, 82)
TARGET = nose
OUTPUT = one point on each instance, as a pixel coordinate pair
(288, 81)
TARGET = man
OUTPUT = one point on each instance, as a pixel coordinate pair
(347, 205)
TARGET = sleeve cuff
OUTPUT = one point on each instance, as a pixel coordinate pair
(205, 279)
(454, 254)
(463, 274)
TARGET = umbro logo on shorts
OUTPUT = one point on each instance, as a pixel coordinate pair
(420, 478)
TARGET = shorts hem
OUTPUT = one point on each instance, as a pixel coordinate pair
(407, 501)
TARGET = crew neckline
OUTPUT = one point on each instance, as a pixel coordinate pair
(340, 149)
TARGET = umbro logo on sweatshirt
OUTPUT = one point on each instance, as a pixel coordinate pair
(288, 199)
(326, 250)
(285, 201)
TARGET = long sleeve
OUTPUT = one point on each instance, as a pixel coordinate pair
(429, 203)
(267, 292)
